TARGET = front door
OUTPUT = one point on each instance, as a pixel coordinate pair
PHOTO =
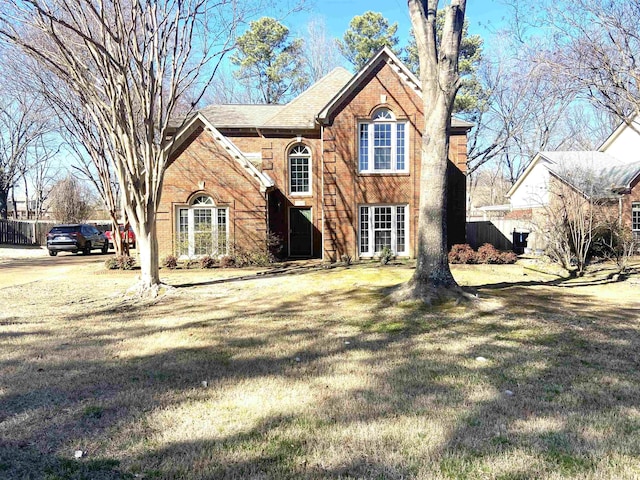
(300, 232)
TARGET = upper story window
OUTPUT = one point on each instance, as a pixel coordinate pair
(383, 144)
(300, 170)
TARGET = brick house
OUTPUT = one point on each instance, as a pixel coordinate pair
(333, 172)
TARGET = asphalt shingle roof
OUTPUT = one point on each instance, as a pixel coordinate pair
(595, 174)
(298, 113)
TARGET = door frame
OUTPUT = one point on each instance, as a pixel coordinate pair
(310, 231)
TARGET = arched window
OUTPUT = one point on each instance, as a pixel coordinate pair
(202, 228)
(300, 170)
(382, 143)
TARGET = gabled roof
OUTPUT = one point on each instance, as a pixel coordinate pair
(384, 55)
(635, 121)
(298, 113)
(594, 174)
(302, 110)
(199, 120)
(239, 116)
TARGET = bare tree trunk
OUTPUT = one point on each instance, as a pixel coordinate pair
(13, 200)
(4, 199)
(432, 260)
(432, 281)
(147, 243)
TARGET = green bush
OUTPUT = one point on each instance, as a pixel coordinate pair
(386, 255)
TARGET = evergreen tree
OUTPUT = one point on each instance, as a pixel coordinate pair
(470, 95)
(269, 62)
(367, 34)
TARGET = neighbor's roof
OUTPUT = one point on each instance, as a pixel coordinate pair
(298, 113)
(595, 174)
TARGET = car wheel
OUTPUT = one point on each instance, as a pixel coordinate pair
(105, 248)
(87, 248)
(52, 253)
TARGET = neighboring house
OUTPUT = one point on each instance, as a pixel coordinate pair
(609, 175)
(19, 210)
(334, 172)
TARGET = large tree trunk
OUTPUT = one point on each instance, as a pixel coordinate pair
(432, 265)
(147, 243)
(432, 281)
(4, 198)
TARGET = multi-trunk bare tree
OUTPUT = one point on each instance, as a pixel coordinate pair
(128, 65)
(23, 126)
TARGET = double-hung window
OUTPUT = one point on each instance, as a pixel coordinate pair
(202, 228)
(300, 170)
(383, 144)
(383, 226)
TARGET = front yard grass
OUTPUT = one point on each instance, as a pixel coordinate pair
(314, 375)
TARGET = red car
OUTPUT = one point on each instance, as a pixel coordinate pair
(127, 236)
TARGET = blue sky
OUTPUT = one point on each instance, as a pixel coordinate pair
(484, 16)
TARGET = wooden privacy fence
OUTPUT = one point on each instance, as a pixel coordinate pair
(499, 232)
(24, 232)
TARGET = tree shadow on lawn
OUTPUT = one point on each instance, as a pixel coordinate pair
(567, 379)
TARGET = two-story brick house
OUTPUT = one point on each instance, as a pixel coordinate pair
(333, 172)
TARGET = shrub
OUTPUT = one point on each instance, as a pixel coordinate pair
(487, 253)
(170, 261)
(226, 261)
(386, 255)
(260, 257)
(462, 253)
(120, 262)
(346, 259)
(507, 257)
(207, 261)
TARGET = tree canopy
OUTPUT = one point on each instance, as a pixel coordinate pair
(470, 93)
(270, 62)
(367, 34)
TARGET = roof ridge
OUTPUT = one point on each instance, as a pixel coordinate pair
(306, 93)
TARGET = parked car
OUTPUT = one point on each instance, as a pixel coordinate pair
(127, 236)
(79, 237)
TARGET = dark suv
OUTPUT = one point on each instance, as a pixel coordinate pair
(76, 238)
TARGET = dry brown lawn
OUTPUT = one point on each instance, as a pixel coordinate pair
(314, 375)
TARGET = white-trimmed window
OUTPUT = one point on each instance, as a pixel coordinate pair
(383, 225)
(202, 228)
(300, 170)
(383, 144)
(635, 219)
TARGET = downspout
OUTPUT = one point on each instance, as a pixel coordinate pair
(322, 188)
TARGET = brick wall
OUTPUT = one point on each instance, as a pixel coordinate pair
(345, 188)
(275, 163)
(627, 200)
(337, 188)
(203, 166)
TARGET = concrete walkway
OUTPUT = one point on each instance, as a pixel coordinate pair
(22, 251)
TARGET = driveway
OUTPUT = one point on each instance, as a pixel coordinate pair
(22, 265)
